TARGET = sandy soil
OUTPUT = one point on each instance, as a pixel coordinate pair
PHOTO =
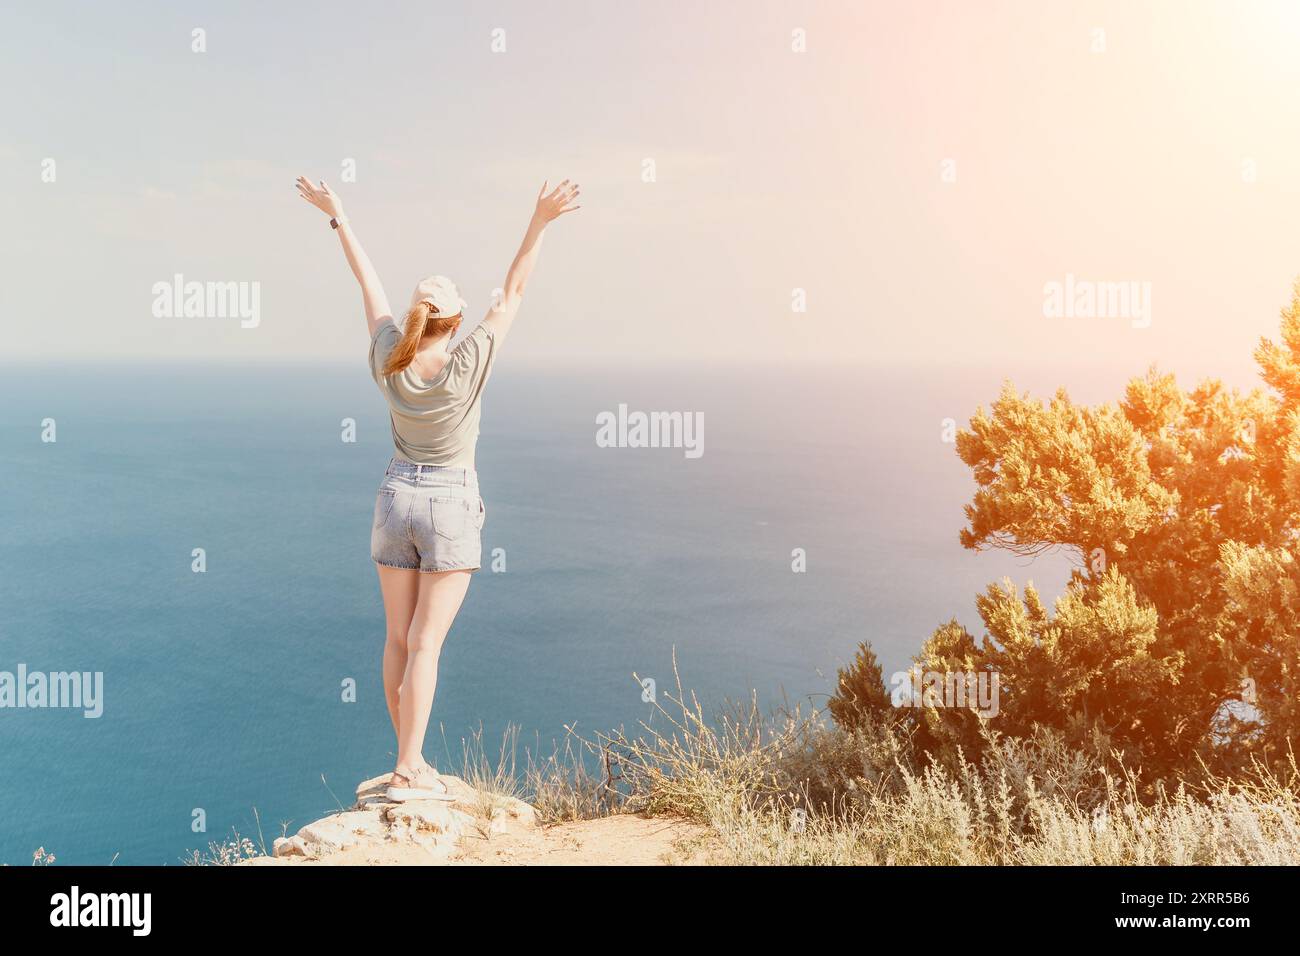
(613, 841)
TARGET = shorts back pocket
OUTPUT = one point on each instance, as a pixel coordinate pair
(448, 516)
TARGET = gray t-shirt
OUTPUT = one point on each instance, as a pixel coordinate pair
(435, 422)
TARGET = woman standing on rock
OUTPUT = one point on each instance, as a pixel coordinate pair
(428, 514)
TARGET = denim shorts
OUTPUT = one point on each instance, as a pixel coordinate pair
(427, 518)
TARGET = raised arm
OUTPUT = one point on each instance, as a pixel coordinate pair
(372, 290)
(550, 206)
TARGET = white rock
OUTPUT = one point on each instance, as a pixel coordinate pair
(341, 830)
(434, 825)
(288, 846)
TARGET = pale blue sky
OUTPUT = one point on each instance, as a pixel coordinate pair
(776, 170)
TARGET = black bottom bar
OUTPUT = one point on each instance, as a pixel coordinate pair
(305, 904)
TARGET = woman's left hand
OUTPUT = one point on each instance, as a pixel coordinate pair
(555, 204)
(321, 196)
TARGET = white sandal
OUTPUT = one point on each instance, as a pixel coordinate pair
(422, 784)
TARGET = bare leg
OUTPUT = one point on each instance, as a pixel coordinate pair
(440, 597)
(400, 588)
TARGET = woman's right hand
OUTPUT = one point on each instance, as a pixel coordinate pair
(322, 197)
(554, 204)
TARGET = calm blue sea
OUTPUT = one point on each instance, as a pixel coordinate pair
(223, 689)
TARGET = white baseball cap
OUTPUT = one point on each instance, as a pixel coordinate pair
(442, 294)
